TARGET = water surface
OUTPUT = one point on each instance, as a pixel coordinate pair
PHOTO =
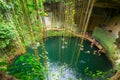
(63, 54)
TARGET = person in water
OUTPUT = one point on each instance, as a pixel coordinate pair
(93, 42)
(100, 50)
(87, 52)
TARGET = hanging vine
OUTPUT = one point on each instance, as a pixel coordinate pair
(85, 23)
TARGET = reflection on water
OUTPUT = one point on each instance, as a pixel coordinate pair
(65, 50)
(82, 61)
(61, 72)
(63, 46)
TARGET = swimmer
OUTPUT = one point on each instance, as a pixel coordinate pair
(87, 52)
(63, 46)
(96, 43)
(81, 48)
(99, 54)
(100, 50)
(91, 45)
(95, 52)
(65, 43)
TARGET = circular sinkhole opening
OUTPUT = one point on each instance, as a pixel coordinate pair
(62, 58)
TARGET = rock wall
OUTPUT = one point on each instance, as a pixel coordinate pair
(114, 25)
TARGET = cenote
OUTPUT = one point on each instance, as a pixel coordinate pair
(62, 56)
(56, 39)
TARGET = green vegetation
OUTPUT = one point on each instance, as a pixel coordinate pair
(105, 40)
(8, 38)
(4, 10)
(51, 1)
(52, 33)
(26, 67)
(7, 34)
(98, 74)
(3, 66)
(22, 25)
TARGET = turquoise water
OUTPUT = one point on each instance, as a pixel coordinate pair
(62, 54)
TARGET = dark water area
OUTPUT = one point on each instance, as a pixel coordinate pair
(63, 52)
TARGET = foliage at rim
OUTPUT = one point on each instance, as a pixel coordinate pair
(26, 67)
(7, 34)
